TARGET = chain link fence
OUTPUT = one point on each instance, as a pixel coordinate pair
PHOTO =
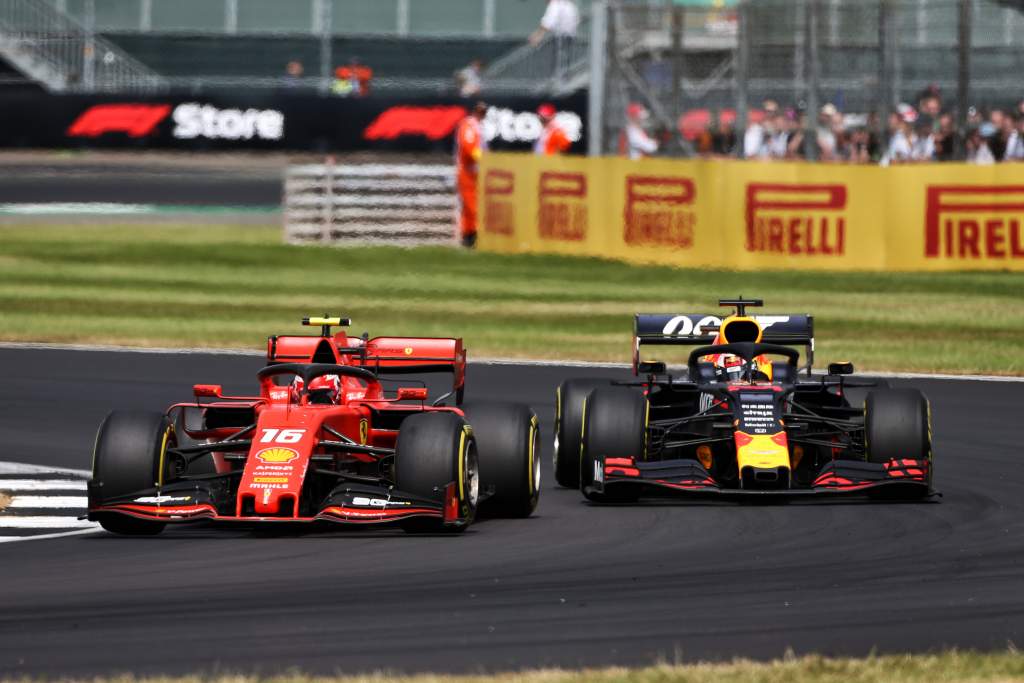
(706, 72)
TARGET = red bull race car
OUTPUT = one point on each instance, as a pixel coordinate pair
(745, 420)
(327, 438)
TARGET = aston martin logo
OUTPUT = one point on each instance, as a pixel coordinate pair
(277, 455)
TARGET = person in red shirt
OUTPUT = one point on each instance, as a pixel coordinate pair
(469, 147)
(553, 139)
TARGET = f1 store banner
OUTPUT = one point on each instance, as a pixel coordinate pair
(755, 215)
(271, 121)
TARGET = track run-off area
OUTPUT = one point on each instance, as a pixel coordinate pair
(575, 585)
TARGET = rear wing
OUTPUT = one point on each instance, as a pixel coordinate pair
(382, 355)
(696, 329)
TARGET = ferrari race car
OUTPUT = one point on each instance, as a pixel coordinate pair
(328, 438)
(743, 421)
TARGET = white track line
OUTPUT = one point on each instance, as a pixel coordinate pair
(79, 502)
(23, 468)
(15, 485)
(43, 537)
(53, 522)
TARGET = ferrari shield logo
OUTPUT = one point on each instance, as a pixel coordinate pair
(364, 429)
(408, 350)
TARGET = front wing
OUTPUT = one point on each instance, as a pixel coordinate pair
(347, 504)
(898, 479)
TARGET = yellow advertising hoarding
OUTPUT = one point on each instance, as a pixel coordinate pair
(756, 215)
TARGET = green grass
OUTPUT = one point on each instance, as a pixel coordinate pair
(232, 286)
(948, 667)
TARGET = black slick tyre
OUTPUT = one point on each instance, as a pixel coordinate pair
(507, 437)
(569, 398)
(130, 457)
(614, 426)
(897, 425)
(433, 450)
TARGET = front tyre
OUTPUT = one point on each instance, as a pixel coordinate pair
(129, 458)
(507, 437)
(614, 426)
(897, 425)
(569, 398)
(432, 451)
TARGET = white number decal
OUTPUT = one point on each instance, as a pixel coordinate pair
(282, 435)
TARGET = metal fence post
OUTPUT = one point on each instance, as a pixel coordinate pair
(89, 47)
(598, 74)
(326, 44)
(678, 64)
(741, 71)
(813, 78)
(883, 97)
(963, 76)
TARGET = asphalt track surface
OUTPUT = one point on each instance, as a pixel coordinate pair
(575, 585)
(182, 184)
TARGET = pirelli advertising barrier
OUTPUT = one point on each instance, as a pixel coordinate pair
(753, 215)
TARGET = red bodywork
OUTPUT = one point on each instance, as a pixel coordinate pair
(284, 434)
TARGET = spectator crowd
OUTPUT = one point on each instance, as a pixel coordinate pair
(912, 134)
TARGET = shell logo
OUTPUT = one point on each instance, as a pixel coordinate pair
(408, 350)
(277, 455)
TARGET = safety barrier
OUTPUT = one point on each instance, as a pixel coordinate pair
(756, 215)
(404, 204)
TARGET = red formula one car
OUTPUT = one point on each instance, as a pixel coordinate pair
(741, 421)
(328, 438)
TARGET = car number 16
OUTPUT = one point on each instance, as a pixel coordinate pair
(282, 435)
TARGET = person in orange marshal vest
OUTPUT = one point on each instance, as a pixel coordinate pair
(470, 145)
(553, 139)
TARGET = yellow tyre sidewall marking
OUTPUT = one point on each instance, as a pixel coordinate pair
(529, 461)
(163, 455)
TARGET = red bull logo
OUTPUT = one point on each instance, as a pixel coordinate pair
(563, 206)
(792, 218)
(659, 211)
(499, 190)
(974, 222)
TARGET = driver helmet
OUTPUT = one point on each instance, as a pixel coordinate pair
(325, 389)
(729, 367)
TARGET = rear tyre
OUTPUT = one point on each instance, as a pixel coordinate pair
(434, 450)
(569, 398)
(129, 458)
(897, 425)
(614, 426)
(507, 441)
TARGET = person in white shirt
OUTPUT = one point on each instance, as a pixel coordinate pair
(1015, 143)
(468, 79)
(978, 151)
(561, 19)
(639, 143)
(901, 145)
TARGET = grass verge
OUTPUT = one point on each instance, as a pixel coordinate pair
(211, 285)
(948, 667)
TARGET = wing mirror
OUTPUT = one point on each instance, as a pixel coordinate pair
(650, 367)
(412, 394)
(207, 390)
(841, 368)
